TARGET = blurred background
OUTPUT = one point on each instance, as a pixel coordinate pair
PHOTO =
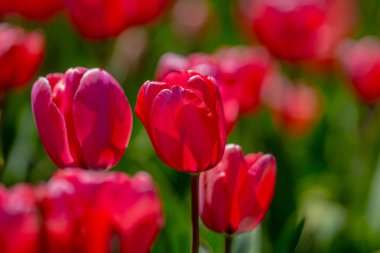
(326, 140)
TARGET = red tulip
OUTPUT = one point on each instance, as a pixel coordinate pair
(21, 54)
(183, 116)
(83, 118)
(361, 63)
(100, 19)
(87, 211)
(295, 108)
(236, 194)
(299, 30)
(19, 225)
(38, 9)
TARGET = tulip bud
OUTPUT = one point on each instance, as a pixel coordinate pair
(19, 225)
(183, 116)
(21, 54)
(236, 194)
(86, 211)
(360, 62)
(83, 118)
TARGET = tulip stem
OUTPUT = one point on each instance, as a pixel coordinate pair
(228, 243)
(195, 212)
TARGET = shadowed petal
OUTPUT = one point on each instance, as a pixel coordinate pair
(102, 118)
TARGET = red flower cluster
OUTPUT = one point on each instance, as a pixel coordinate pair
(83, 118)
(183, 116)
(236, 194)
(298, 30)
(21, 53)
(240, 73)
(95, 19)
(81, 211)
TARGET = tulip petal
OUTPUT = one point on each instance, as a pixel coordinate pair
(50, 124)
(183, 129)
(258, 191)
(102, 118)
(145, 97)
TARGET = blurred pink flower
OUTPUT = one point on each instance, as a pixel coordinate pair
(360, 61)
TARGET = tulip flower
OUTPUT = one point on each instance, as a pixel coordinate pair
(324, 24)
(294, 107)
(103, 19)
(19, 224)
(21, 54)
(236, 194)
(83, 118)
(360, 62)
(183, 116)
(85, 211)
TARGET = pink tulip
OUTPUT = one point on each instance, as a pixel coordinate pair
(83, 118)
(236, 194)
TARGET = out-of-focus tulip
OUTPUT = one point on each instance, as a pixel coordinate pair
(299, 30)
(294, 107)
(361, 63)
(86, 211)
(183, 116)
(19, 225)
(38, 9)
(100, 19)
(240, 73)
(236, 194)
(21, 54)
(83, 118)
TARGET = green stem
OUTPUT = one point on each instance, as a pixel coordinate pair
(228, 239)
(195, 212)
